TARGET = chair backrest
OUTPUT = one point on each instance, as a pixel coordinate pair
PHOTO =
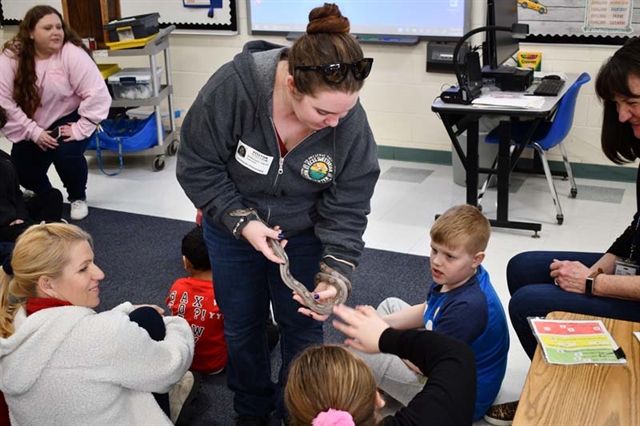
(563, 119)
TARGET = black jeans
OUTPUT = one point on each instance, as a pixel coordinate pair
(47, 206)
(32, 163)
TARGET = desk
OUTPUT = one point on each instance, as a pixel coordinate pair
(587, 394)
(459, 118)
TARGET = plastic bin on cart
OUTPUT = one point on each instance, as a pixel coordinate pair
(133, 83)
(129, 44)
(133, 27)
(108, 69)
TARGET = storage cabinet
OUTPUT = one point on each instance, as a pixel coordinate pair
(88, 17)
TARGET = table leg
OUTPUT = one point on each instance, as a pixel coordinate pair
(471, 165)
(504, 168)
(504, 172)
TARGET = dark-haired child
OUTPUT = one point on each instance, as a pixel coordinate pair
(193, 298)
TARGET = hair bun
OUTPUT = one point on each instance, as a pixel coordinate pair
(327, 19)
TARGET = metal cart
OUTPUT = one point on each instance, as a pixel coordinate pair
(167, 145)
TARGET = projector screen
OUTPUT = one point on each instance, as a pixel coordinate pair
(426, 19)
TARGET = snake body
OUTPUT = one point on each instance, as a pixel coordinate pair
(326, 274)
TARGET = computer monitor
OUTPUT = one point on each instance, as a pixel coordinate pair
(500, 45)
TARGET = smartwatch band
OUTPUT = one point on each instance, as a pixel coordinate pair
(588, 285)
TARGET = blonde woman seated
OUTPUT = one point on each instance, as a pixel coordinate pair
(64, 364)
(330, 386)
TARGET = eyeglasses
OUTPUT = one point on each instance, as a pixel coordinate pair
(336, 73)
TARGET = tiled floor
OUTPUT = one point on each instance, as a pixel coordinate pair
(406, 200)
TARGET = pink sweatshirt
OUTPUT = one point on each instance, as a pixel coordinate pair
(67, 81)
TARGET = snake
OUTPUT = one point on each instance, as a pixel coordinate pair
(326, 274)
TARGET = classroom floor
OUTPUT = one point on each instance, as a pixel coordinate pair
(406, 200)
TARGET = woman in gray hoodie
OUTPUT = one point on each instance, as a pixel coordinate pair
(280, 131)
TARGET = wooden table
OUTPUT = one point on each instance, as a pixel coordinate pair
(586, 394)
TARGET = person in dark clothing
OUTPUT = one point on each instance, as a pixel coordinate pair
(16, 213)
(604, 285)
(330, 385)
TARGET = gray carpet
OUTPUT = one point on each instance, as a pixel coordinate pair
(141, 258)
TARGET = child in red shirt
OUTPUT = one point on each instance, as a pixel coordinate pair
(193, 299)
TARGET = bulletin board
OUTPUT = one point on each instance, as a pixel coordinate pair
(219, 15)
(580, 21)
(187, 14)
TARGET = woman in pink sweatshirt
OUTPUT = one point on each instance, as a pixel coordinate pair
(54, 96)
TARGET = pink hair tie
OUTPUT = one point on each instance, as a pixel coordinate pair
(333, 418)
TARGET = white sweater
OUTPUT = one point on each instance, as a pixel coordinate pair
(72, 366)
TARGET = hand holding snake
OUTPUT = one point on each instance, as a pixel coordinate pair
(258, 234)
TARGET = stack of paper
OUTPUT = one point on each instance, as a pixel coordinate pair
(509, 100)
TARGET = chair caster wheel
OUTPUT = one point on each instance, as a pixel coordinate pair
(574, 192)
(560, 219)
(479, 207)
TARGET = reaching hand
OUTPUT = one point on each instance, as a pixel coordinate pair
(363, 326)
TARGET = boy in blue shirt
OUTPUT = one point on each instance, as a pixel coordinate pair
(461, 303)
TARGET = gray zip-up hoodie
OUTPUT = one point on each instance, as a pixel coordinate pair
(229, 158)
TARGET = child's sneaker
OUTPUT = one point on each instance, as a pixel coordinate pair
(501, 414)
(79, 210)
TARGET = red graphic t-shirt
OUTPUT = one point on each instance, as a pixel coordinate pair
(194, 300)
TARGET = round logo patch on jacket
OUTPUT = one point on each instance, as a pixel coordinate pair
(318, 168)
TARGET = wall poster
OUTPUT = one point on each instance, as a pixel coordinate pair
(601, 19)
(184, 14)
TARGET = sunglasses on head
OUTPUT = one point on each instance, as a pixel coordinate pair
(336, 73)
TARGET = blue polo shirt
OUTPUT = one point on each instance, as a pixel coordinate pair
(474, 314)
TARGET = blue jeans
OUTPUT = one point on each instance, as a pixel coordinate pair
(244, 282)
(533, 294)
(32, 163)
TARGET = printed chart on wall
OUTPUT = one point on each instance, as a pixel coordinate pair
(580, 17)
(12, 11)
(187, 14)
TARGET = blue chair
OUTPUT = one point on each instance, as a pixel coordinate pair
(547, 135)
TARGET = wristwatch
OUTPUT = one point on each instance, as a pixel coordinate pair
(588, 287)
